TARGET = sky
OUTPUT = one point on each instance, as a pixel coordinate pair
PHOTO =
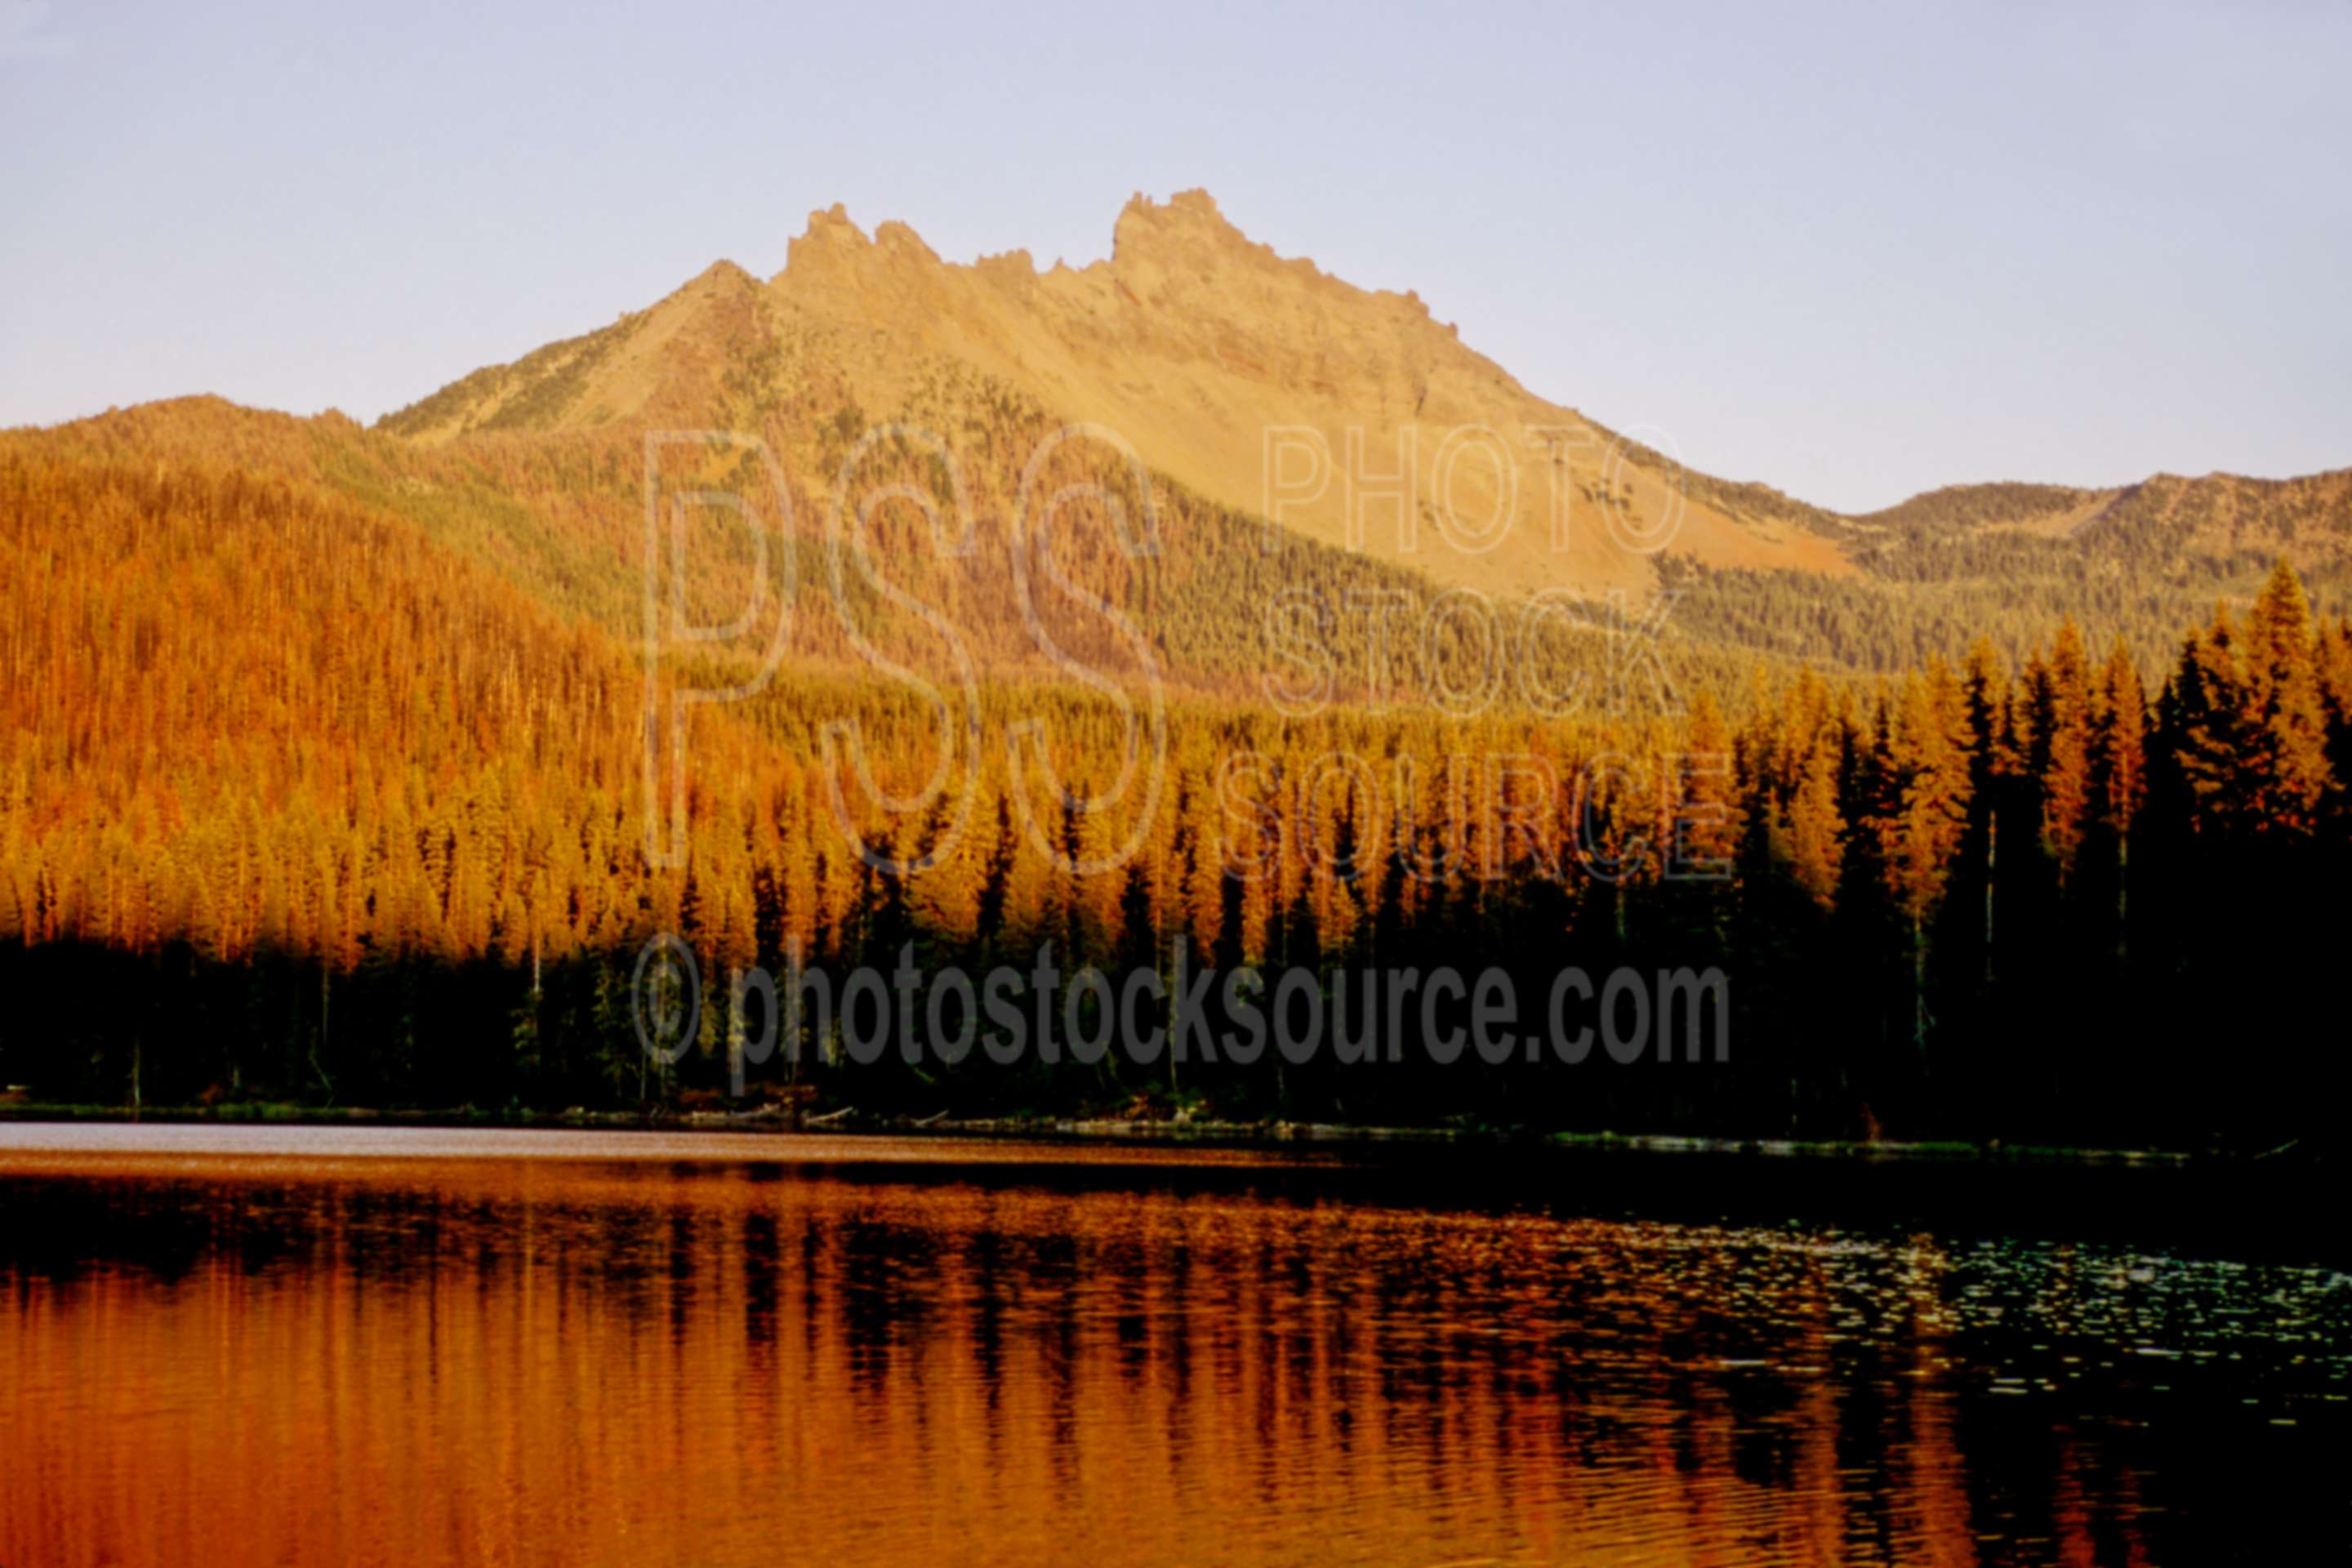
(1853, 252)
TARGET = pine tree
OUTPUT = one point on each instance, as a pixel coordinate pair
(2062, 742)
(2119, 769)
(2283, 712)
(1928, 765)
(1816, 825)
(2202, 721)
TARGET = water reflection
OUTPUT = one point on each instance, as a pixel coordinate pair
(535, 1361)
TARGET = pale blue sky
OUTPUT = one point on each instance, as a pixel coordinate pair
(1851, 252)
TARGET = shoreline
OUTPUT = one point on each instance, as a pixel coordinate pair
(849, 1122)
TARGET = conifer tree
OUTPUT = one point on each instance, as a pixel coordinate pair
(1927, 764)
(2282, 711)
(1816, 823)
(2062, 742)
(2119, 768)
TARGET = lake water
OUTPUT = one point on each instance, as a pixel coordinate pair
(408, 1346)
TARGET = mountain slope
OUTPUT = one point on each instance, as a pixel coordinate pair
(2139, 562)
(1192, 344)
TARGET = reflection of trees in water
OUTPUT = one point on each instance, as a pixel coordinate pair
(539, 1361)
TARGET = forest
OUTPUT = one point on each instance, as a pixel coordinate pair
(303, 801)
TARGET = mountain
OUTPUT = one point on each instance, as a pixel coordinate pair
(1192, 344)
(2007, 561)
(1189, 344)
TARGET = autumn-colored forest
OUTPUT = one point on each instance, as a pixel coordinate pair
(323, 778)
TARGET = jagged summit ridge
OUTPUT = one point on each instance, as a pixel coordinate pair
(1192, 341)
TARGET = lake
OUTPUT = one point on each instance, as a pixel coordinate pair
(407, 1345)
